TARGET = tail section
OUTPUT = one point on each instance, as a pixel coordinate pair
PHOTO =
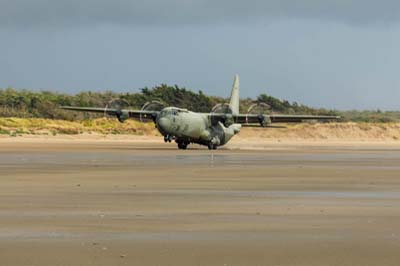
(234, 103)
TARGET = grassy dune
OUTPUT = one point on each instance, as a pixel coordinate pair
(329, 131)
(38, 126)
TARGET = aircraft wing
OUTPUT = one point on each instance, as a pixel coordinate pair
(265, 120)
(278, 118)
(120, 114)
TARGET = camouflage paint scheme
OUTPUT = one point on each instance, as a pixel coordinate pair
(210, 129)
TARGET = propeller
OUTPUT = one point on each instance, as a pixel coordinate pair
(260, 109)
(119, 105)
(154, 105)
(222, 108)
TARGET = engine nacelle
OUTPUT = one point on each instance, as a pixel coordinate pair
(122, 116)
(264, 120)
(220, 134)
(230, 131)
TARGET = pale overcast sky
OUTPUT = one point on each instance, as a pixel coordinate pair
(334, 53)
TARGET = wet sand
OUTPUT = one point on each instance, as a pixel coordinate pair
(130, 203)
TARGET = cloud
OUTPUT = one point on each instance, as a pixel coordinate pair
(37, 13)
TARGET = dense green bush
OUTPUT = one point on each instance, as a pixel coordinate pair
(44, 104)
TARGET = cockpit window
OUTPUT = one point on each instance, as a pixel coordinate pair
(174, 112)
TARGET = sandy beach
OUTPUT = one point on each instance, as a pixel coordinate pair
(116, 201)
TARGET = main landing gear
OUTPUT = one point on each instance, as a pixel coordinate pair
(212, 146)
(213, 143)
(182, 145)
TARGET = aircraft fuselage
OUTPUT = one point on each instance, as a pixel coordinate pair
(186, 127)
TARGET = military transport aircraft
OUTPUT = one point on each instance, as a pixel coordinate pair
(210, 129)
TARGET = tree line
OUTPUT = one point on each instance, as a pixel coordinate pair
(45, 104)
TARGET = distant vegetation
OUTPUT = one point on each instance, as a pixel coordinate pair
(12, 126)
(44, 104)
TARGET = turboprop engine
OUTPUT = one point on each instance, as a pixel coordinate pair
(220, 134)
(261, 109)
(120, 106)
(223, 127)
(230, 131)
(226, 110)
(122, 115)
(154, 105)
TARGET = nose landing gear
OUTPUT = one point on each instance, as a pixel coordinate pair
(168, 138)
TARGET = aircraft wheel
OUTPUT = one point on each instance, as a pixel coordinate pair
(214, 147)
(210, 146)
(167, 138)
(182, 146)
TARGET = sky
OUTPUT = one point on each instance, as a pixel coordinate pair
(341, 54)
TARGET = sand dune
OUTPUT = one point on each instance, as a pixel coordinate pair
(112, 129)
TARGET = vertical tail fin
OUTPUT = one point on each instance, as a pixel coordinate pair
(234, 103)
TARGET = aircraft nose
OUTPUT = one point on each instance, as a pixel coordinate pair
(164, 124)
